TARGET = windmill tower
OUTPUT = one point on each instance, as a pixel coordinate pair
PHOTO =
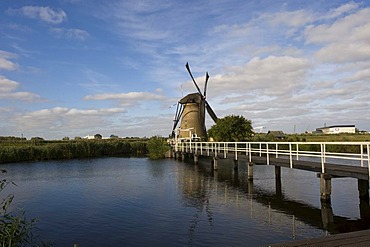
(191, 110)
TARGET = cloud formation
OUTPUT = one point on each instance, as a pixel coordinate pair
(45, 14)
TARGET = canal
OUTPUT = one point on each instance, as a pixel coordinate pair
(140, 202)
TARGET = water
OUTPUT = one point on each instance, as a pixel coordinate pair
(139, 202)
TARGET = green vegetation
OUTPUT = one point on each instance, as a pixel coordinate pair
(15, 229)
(231, 128)
(157, 147)
(37, 149)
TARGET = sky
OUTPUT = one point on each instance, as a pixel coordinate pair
(73, 68)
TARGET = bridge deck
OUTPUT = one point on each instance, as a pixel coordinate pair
(334, 170)
(359, 238)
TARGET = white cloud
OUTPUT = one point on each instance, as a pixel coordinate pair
(45, 14)
(131, 98)
(347, 28)
(8, 88)
(296, 18)
(7, 85)
(62, 121)
(342, 52)
(343, 9)
(70, 34)
(268, 76)
(5, 63)
(22, 96)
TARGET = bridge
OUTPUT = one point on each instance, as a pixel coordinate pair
(328, 159)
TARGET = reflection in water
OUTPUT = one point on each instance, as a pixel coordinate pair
(320, 218)
(138, 202)
(196, 193)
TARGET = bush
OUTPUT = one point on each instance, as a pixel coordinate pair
(157, 147)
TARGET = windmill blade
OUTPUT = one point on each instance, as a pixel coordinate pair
(205, 85)
(195, 83)
(211, 112)
(178, 114)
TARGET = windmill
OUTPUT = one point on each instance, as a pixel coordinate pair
(191, 111)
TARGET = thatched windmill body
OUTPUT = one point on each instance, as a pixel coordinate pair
(191, 111)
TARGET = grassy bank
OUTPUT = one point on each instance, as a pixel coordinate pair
(38, 150)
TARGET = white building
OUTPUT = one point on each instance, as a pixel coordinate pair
(337, 129)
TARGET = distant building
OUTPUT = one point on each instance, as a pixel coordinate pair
(336, 129)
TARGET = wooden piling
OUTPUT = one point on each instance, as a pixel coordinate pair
(325, 187)
(215, 163)
(236, 164)
(363, 189)
(277, 172)
(327, 215)
(195, 159)
(250, 170)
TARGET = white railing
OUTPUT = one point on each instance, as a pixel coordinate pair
(350, 153)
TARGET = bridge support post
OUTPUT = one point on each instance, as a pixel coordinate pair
(325, 187)
(327, 215)
(215, 163)
(250, 187)
(183, 156)
(235, 165)
(195, 159)
(363, 189)
(250, 170)
(278, 180)
(278, 172)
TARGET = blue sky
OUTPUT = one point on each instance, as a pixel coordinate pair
(76, 68)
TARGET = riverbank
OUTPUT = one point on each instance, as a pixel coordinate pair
(39, 150)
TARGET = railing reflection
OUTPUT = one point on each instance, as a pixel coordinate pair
(203, 185)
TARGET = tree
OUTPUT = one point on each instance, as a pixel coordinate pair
(157, 147)
(98, 136)
(231, 128)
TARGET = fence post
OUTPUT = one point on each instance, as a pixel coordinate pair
(267, 154)
(297, 150)
(322, 147)
(236, 151)
(362, 155)
(290, 155)
(368, 158)
(276, 149)
(250, 154)
(260, 149)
